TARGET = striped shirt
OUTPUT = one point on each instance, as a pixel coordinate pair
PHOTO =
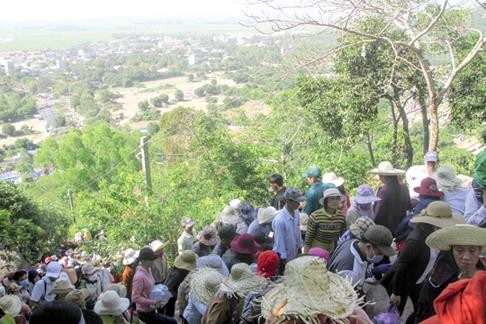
(324, 229)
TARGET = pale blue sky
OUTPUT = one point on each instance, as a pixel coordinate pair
(65, 10)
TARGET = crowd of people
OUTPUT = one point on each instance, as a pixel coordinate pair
(304, 258)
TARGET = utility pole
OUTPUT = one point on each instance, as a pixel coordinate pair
(146, 166)
(70, 198)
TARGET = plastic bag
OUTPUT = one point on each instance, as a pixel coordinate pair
(161, 293)
(391, 316)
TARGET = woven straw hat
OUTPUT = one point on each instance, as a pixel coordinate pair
(266, 215)
(11, 304)
(205, 283)
(438, 213)
(109, 303)
(241, 281)
(186, 260)
(386, 168)
(461, 234)
(331, 177)
(78, 296)
(311, 290)
(62, 286)
(129, 256)
(360, 226)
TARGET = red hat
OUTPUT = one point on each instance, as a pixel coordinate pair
(267, 264)
(428, 187)
(244, 244)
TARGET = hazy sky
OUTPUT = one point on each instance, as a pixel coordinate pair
(65, 10)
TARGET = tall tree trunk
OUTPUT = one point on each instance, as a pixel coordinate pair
(425, 120)
(405, 129)
(370, 149)
(395, 130)
(434, 126)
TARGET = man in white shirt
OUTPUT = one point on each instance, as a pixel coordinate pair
(42, 288)
(416, 173)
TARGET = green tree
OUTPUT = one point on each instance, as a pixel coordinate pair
(144, 105)
(8, 129)
(179, 95)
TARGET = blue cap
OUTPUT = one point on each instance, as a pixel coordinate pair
(313, 171)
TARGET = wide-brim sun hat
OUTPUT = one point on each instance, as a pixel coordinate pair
(438, 213)
(129, 256)
(205, 282)
(119, 288)
(78, 296)
(228, 216)
(244, 244)
(311, 291)
(208, 236)
(62, 286)
(331, 177)
(385, 168)
(241, 281)
(109, 303)
(461, 234)
(266, 215)
(447, 179)
(331, 192)
(213, 261)
(428, 187)
(11, 304)
(365, 195)
(156, 245)
(186, 260)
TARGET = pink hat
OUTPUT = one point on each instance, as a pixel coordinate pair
(319, 252)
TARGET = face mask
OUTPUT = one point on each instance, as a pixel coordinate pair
(375, 259)
(365, 206)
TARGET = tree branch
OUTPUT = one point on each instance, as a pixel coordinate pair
(451, 53)
(472, 54)
(429, 27)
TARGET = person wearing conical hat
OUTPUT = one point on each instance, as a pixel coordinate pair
(395, 199)
(416, 259)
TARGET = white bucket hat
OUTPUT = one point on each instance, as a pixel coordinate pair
(331, 192)
(62, 286)
(109, 303)
(447, 179)
(266, 215)
(53, 269)
(11, 304)
(311, 290)
(120, 289)
(331, 177)
(386, 168)
(129, 256)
